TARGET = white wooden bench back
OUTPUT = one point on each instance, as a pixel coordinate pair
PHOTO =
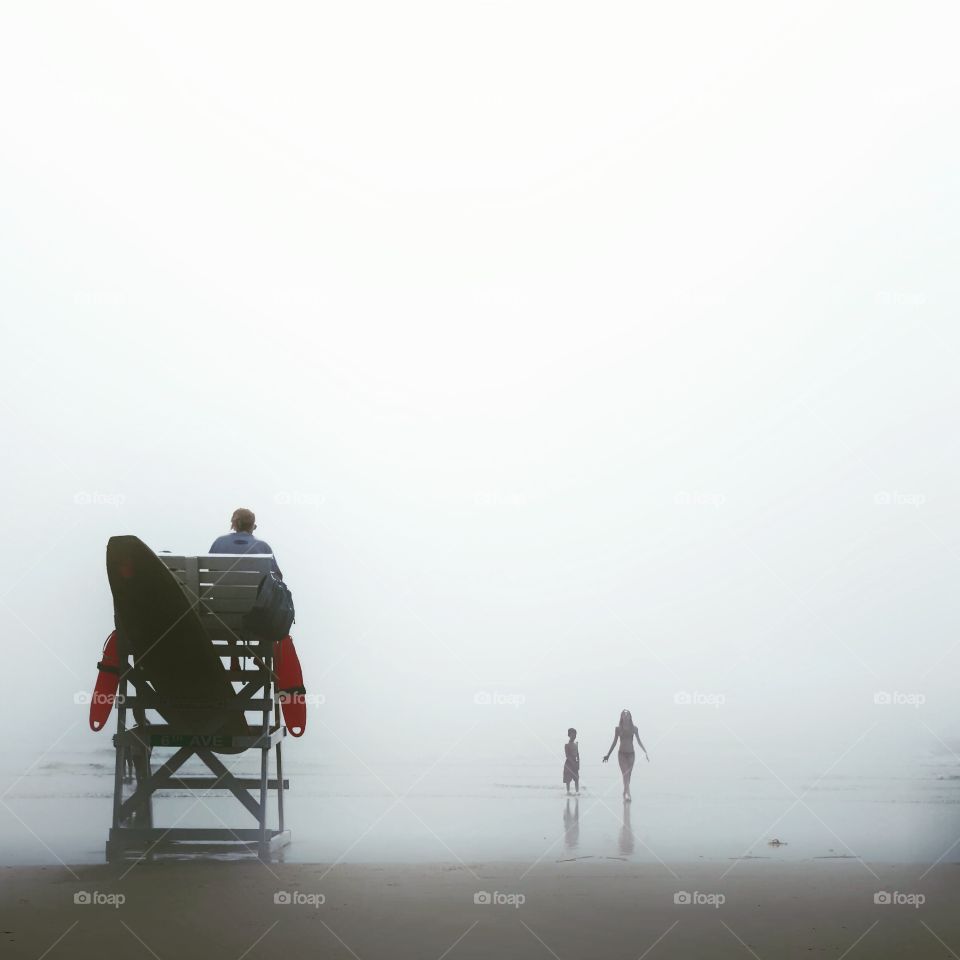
(222, 586)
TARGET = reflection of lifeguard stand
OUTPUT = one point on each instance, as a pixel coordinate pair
(221, 588)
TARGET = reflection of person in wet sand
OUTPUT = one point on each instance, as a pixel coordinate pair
(624, 732)
(571, 825)
(626, 832)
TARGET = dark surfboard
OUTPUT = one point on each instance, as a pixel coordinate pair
(169, 644)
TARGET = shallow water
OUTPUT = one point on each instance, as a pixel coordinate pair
(59, 811)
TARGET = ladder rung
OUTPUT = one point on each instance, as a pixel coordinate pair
(173, 834)
(158, 703)
(212, 783)
(226, 649)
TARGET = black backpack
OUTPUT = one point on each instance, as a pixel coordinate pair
(272, 613)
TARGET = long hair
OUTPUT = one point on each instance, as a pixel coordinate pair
(626, 720)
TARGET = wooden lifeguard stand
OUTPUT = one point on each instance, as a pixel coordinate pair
(220, 589)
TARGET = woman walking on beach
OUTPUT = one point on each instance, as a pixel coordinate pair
(571, 763)
(624, 732)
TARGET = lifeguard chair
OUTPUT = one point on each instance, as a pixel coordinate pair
(219, 589)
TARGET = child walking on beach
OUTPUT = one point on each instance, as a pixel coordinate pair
(571, 763)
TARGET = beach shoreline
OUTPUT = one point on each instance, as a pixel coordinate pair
(589, 907)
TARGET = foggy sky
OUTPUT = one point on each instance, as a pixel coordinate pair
(581, 357)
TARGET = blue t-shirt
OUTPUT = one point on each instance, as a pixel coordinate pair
(243, 543)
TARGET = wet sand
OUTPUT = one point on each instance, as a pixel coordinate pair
(590, 908)
(60, 811)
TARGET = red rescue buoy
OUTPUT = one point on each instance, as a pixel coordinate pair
(292, 695)
(108, 679)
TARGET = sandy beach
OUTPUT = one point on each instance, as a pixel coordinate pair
(582, 908)
(499, 863)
